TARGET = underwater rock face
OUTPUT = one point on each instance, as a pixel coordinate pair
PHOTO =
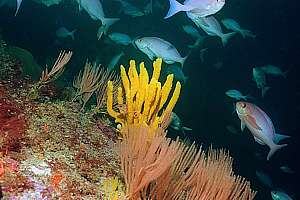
(12, 123)
(53, 151)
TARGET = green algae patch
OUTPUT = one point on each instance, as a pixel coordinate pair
(29, 65)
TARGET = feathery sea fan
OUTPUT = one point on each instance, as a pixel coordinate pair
(162, 169)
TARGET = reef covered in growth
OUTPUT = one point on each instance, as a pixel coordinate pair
(51, 148)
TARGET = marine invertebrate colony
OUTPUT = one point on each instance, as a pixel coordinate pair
(169, 170)
(155, 167)
(55, 72)
(93, 79)
(144, 100)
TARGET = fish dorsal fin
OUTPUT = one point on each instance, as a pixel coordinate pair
(79, 5)
(259, 141)
(242, 126)
(252, 121)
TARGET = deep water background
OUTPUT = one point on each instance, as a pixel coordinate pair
(203, 105)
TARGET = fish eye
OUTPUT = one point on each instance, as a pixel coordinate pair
(243, 105)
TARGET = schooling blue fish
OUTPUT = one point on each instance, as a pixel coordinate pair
(280, 195)
(211, 26)
(233, 25)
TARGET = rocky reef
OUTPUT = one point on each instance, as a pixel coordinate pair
(50, 149)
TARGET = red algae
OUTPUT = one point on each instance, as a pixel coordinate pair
(12, 124)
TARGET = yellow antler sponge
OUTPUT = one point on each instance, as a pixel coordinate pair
(143, 101)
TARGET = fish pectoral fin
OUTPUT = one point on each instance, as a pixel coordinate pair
(150, 53)
(252, 121)
(79, 6)
(170, 47)
(186, 128)
(259, 141)
(242, 126)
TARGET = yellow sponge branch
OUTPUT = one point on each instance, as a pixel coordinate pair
(110, 100)
(174, 97)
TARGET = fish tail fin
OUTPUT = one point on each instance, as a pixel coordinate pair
(225, 37)
(248, 97)
(192, 46)
(274, 148)
(149, 8)
(184, 59)
(175, 7)
(106, 23)
(202, 53)
(186, 128)
(279, 137)
(247, 33)
(72, 34)
(18, 6)
(264, 91)
(185, 79)
(197, 43)
(109, 21)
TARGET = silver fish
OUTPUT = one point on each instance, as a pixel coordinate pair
(233, 25)
(236, 94)
(231, 129)
(211, 26)
(95, 10)
(176, 124)
(274, 70)
(287, 170)
(114, 61)
(264, 179)
(120, 38)
(280, 195)
(260, 79)
(155, 47)
(192, 31)
(130, 9)
(177, 71)
(63, 32)
(203, 8)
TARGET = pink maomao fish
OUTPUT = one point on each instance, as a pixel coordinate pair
(203, 8)
(260, 125)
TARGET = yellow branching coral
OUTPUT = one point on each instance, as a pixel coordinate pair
(143, 101)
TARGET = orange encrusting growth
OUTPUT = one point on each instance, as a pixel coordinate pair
(56, 179)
